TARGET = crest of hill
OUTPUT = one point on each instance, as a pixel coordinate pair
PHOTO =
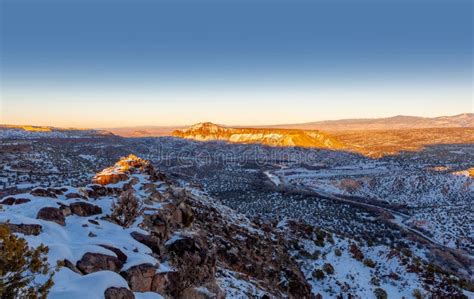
(269, 136)
(29, 131)
(464, 120)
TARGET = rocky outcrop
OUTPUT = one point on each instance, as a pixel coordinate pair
(119, 253)
(85, 209)
(118, 293)
(191, 240)
(49, 192)
(140, 278)
(263, 256)
(93, 262)
(14, 201)
(151, 241)
(52, 214)
(25, 229)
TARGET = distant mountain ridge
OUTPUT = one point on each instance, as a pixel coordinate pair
(389, 123)
(396, 122)
(269, 136)
(28, 131)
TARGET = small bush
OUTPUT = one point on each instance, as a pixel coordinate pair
(19, 265)
(380, 293)
(369, 263)
(320, 238)
(337, 252)
(407, 252)
(356, 253)
(127, 209)
(328, 268)
(318, 274)
(417, 294)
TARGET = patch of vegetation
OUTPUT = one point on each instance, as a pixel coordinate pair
(20, 265)
(127, 209)
(417, 294)
(370, 263)
(318, 274)
(328, 268)
(380, 293)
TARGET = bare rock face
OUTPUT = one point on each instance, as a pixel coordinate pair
(96, 191)
(112, 178)
(26, 229)
(52, 214)
(149, 240)
(118, 293)
(14, 201)
(166, 283)
(187, 216)
(85, 209)
(156, 224)
(120, 255)
(183, 245)
(75, 195)
(207, 291)
(93, 262)
(140, 277)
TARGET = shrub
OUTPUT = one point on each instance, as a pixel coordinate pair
(328, 268)
(19, 265)
(337, 252)
(356, 253)
(320, 238)
(417, 294)
(330, 238)
(127, 209)
(369, 263)
(318, 274)
(407, 252)
(380, 293)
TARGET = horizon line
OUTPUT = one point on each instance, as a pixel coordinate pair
(236, 125)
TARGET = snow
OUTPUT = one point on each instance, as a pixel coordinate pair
(354, 274)
(148, 295)
(173, 239)
(71, 285)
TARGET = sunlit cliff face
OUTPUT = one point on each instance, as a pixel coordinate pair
(119, 171)
(270, 136)
(31, 128)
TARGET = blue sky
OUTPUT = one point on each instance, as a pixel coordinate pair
(112, 63)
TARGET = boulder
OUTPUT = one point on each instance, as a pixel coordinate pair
(67, 263)
(51, 214)
(120, 255)
(157, 224)
(166, 282)
(181, 245)
(187, 215)
(96, 191)
(14, 201)
(151, 241)
(26, 229)
(75, 195)
(66, 210)
(43, 192)
(109, 178)
(118, 293)
(85, 209)
(140, 277)
(93, 262)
